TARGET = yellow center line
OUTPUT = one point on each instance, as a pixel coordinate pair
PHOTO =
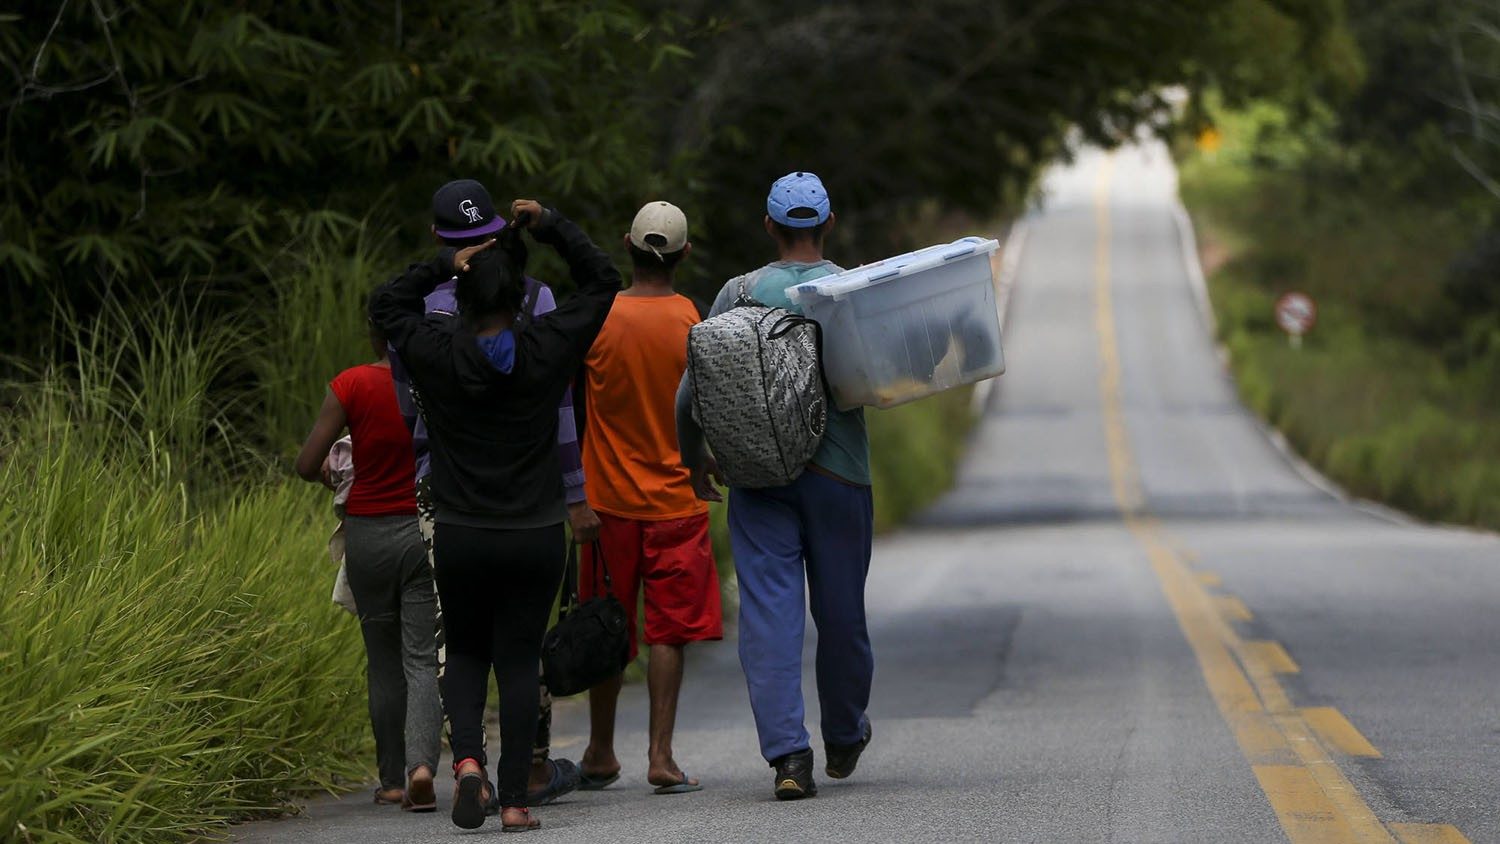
(1310, 795)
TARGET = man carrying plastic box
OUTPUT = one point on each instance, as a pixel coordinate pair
(817, 530)
(654, 530)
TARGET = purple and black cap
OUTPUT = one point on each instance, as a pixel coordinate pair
(462, 209)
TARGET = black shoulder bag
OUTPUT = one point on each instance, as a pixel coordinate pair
(590, 642)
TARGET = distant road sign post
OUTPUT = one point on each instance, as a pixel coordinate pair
(1296, 313)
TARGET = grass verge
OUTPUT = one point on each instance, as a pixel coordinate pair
(1368, 399)
(169, 657)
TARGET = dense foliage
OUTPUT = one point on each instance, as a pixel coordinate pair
(1383, 203)
(150, 142)
(1411, 157)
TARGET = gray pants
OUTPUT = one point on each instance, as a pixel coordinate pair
(392, 583)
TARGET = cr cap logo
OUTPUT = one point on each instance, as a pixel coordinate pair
(467, 207)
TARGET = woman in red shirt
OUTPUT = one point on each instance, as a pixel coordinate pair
(389, 574)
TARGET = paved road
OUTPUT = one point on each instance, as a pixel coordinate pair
(1133, 620)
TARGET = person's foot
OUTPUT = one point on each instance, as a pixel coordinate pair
(558, 777)
(421, 795)
(794, 775)
(669, 779)
(598, 768)
(842, 758)
(517, 819)
(389, 796)
(469, 797)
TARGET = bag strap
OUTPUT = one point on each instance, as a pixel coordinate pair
(784, 323)
(567, 598)
(530, 289)
(742, 297)
(609, 586)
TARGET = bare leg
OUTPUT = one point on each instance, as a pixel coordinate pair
(599, 760)
(663, 682)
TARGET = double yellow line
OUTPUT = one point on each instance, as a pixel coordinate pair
(1290, 749)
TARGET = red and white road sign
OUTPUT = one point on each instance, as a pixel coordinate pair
(1296, 313)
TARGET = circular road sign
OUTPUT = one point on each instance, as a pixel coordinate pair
(1296, 313)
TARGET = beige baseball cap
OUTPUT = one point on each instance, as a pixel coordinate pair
(659, 227)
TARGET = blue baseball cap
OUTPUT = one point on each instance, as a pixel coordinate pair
(798, 200)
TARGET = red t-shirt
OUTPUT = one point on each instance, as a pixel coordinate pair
(385, 473)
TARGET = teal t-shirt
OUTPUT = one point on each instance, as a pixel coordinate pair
(845, 450)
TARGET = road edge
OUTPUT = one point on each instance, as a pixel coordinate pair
(1193, 266)
(1005, 284)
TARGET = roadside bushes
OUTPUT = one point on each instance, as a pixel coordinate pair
(169, 657)
(1393, 392)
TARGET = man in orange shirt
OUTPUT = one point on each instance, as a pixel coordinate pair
(654, 532)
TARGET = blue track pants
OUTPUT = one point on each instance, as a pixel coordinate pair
(804, 544)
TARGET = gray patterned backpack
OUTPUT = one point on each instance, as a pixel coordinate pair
(758, 391)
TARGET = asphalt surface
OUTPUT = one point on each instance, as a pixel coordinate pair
(1079, 643)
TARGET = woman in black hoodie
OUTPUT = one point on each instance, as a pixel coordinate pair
(490, 382)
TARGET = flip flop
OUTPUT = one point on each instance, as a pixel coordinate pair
(565, 778)
(588, 782)
(684, 787)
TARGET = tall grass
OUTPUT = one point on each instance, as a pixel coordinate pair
(313, 324)
(169, 657)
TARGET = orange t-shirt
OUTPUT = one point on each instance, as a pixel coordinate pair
(630, 460)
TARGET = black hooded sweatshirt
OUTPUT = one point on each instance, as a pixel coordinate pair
(493, 433)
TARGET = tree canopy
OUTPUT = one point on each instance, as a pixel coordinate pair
(150, 142)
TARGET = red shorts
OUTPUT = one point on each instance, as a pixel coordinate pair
(674, 561)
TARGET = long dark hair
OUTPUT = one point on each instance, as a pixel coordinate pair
(496, 280)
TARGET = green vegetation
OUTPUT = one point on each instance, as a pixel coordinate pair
(198, 195)
(213, 143)
(914, 453)
(170, 655)
(1377, 207)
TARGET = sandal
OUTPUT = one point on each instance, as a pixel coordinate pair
(389, 796)
(686, 785)
(468, 796)
(529, 823)
(565, 778)
(420, 795)
(596, 782)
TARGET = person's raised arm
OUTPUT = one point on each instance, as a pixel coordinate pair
(397, 307)
(551, 347)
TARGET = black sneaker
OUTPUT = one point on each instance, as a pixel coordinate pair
(843, 757)
(794, 776)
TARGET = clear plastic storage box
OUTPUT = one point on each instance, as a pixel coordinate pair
(904, 328)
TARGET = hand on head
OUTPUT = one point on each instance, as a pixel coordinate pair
(526, 213)
(461, 258)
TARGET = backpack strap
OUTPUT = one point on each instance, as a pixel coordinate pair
(532, 289)
(742, 297)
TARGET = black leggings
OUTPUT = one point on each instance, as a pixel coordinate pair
(497, 589)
